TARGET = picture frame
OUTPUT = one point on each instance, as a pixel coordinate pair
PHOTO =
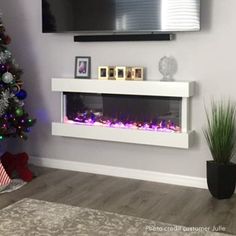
(137, 73)
(82, 67)
(112, 72)
(120, 73)
(103, 72)
(129, 73)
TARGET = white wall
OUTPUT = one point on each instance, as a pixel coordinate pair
(207, 57)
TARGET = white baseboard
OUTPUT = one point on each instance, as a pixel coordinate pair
(121, 172)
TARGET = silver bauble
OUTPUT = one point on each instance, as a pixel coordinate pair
(7, 77)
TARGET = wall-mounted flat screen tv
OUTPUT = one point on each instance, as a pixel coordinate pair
(120, 16)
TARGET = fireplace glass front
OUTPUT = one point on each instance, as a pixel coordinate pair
(157, 114)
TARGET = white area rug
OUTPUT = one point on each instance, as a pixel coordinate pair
(30, 217)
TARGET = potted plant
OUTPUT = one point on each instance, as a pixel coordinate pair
(220, 135)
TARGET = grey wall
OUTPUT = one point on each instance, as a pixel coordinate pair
(207, 57)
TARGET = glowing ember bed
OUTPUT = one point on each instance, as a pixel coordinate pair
(160, 114)
(94, 109)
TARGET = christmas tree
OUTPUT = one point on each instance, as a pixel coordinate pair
(14, 120)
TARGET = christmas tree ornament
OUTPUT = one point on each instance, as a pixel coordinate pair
(20, 82)
(21, 95)
(3, 68)
(7, 40)
(15, 88)
(7, 77)
(7, 54)
(3, 106)
(19, 112)
(2, 58)
(28, 130)
(6, 96)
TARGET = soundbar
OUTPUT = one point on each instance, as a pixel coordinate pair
(123, 37)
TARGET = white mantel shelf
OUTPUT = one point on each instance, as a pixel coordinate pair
(177, 140)
(143, 88)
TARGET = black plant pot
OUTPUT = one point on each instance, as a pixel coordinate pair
(221, 179)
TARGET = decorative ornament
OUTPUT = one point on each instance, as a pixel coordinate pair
(19, 103)
(2, 58)
(19, 112)
(20, 82)
(28, 130)
(168, 67)
(7, 77)
(21, 95)
(4, 101)
(7, 40)
(7, 54)
(15, 88)
(3, 68)
(3, 106)
(6, 95)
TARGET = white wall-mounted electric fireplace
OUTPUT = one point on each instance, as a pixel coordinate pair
(140, 112)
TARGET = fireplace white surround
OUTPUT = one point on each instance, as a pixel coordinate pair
(184, 90)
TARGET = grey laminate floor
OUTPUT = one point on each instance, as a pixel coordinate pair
(161, 202)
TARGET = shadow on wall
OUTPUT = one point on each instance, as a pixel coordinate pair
(24, 51)
(206, 14)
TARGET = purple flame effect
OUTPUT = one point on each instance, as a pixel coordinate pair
(93, 119)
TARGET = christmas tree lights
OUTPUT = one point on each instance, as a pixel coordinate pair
(14, 120)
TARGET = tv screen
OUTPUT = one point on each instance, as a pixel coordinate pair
(120, 16)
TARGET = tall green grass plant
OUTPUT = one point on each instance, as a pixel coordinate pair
(220, 132)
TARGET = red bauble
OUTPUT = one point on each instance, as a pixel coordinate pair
(7, 39)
